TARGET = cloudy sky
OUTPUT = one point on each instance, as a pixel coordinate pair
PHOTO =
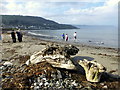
(80, 12)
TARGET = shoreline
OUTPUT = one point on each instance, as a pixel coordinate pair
(64, 42)
(72, 42)
(84, 37)
(105, 56)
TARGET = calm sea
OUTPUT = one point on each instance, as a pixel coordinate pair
(106, 36)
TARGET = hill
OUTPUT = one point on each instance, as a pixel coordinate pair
(31, 22)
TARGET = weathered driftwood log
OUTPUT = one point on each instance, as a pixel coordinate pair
(35, 58)
(56, 55)
(92, 69)
(59, 56)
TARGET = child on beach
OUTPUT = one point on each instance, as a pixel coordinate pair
(63, 35)
(75, 36)
(66, 37)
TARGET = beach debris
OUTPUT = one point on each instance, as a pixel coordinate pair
(56, 55)
(105, 87)
(37, 76)
(7, 63)
(43, 76)
(59, 56)
(93, 70)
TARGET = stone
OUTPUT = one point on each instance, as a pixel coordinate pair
(46, 84)
(2, 67)
(59, 76)
(8, 63)
(105, 87)
(40, 84)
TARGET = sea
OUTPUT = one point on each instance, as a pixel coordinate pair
(104, 36)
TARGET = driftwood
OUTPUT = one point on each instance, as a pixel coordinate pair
(57, 56)
(92, 69)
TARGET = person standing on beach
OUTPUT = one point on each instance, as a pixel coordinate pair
(13, 36)
(63, 35)
(66, 37)
(75, 36)
(19, 35)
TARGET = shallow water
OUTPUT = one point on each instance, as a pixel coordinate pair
(106, 36)
(0, 37)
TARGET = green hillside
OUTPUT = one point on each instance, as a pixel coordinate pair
(31, 22)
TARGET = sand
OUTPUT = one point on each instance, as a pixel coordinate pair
(20, 52)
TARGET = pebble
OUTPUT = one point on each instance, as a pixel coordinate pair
(41, 81)
(105, 86)
(46, 84)
(2, 67)
(102, 83)
(40, 84)
(8, 63)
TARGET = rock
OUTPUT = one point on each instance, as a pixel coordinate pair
(35, 84)
(105, 87)
(74, 83)
(87, 88)
(79, 86)
(93, 70)
(1, 67)
(59, 75)
(102, 84)
(46, 84)
(8, 63)
(36, 88)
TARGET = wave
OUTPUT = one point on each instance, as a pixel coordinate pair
(38, 34)
(42, 35)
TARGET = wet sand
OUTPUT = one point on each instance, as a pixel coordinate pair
(19, 52)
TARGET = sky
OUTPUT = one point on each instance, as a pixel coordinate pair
(79, 12)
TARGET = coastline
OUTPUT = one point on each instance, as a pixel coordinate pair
(72, 42)
(108, 57)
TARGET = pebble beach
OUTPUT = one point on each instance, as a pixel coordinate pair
(18, 53)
